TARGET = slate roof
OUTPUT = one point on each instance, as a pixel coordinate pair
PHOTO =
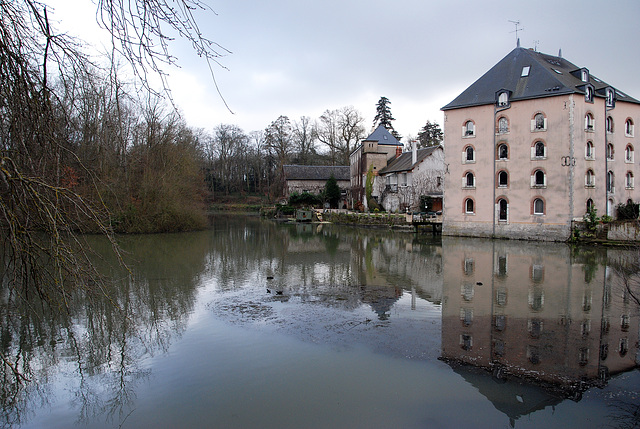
(383, 137)
(548, 76)
(316, 172)
(403, 162)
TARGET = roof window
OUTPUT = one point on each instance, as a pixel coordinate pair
(525, 71)
(557, 71)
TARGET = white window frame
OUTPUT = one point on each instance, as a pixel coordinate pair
(628, 128)
(500, 158)
(505, 185)
(534, 123)
(629, 180)
(628, 154)
(590, 179)
(534, 181)
(534, 151)
(465, 181)
(541, 213)
(466, 206)
(465, 159)
(468, 129)
(589, 123)
(588, 156)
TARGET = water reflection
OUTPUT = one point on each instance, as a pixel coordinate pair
(554, 316)
(525, 324)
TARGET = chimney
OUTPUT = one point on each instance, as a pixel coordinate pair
(414, 153)
(398, 151)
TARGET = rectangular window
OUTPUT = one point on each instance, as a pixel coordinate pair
(525, 71)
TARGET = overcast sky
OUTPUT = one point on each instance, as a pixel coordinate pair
(300, 58)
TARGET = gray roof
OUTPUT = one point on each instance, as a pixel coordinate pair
(383, 137)
(548, 76)
(316, 172)
(403, 162)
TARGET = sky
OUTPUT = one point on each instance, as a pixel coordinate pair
(300, 58)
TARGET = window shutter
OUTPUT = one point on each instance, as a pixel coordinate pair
(464, 156)
(464, 181)
(533, 125)
(533, 152)
(544, 180)
(545, 123)
(464, 131)
(533, 180)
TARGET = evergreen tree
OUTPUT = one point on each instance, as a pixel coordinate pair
(384, 117)
(332, 191)
(430, 135)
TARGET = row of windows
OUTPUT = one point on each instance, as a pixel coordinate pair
(537, 207)
(539, 151)
(539, 179)
(539, 123)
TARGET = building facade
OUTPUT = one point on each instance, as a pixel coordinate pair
(313, 179)
(532, 145)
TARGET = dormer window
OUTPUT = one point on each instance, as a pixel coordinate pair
(609, 124)
(610, 97)
(503, 99)
(584, 75)
(588, 94)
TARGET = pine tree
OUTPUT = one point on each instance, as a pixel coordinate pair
(430, 135)
(332, 191)
(384, 117)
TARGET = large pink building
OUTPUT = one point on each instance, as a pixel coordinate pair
(534, 143)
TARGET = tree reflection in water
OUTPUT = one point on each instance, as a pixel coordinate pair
(542, 319)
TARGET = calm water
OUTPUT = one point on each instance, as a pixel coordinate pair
(257, 325)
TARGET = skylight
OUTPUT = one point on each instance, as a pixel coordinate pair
(557, 71)
(525, 71)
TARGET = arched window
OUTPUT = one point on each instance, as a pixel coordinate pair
(538, 179)
(628, 128)
(503, 125)
(589, 124)
(469, 206)
(469, 154)
(610, 181)
(590, 151)
(628, 154)
(469, 180)
(588, 94)
(503, 179)
(539, 122)
(589, 205)
(503, 99)
(469, 129)
(610, 151)
(503, 207)
(590, 179)
(609, 124)
(538, 206)
(503, 151)
(629, 180)
(540, 150)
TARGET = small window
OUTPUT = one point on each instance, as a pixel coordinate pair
(535, 327)
(590, 179)
(539, 178)
(610, 181)
(503, 125)
(503, 179)
(468, 266)
(469, 206)
(469, 129)
(628, 154)
(589, 151)
(536, 298)
(539, 122)
(503, 99)
(503, 152)
(609, 124)
(588, 94)
(589, 123)
(538, 206)
(540, 151)
(537, 273)
(469, 154)
(584, 75)
(525, 71)
(589, 205)
(629, 180)
(628, 128)
(469, 180)
(610, 151)
(503, 208)
(623, 347)
(610, 97)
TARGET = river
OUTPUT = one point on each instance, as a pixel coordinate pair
(254, 324)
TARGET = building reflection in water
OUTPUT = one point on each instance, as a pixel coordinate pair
(541, 312)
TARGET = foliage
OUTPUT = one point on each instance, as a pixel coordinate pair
(628, 211)
(304, 199)
(332, 192)
(591, 220)
(372, 204)
(430, 135)
(425, 203)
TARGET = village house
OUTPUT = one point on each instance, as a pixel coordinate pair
(373, 153)
(313, 178)
(532, 145)
(412, 177)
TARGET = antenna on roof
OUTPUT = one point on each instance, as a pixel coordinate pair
(535, 45)
(516, 23)
(560, 52)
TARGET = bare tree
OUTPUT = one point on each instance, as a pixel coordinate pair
(304, 140)
(340, 130)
